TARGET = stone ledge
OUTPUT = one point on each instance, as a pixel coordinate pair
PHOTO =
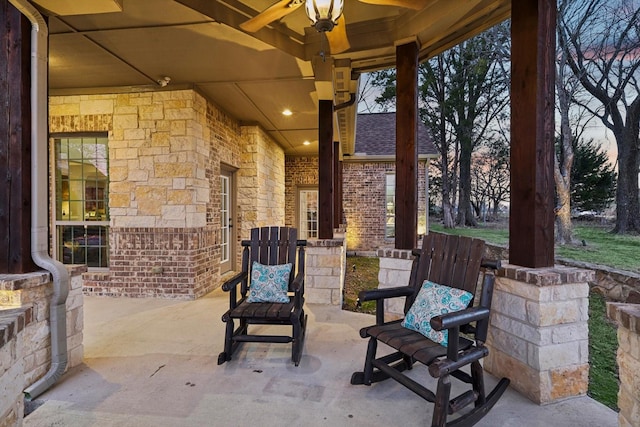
(626, 315)
(550, 276)
(325, 243)
(13, 321)
(395, 253)
(15, 282)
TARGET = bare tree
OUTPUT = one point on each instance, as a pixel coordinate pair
(490, 183)
(462, 92)
(600, 40)
(477, 96)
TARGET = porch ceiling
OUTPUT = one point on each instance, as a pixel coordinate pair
(252, 76)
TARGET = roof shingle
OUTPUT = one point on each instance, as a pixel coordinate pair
(376, 136)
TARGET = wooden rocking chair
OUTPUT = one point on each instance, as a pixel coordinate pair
(455, 262)
(269, 246)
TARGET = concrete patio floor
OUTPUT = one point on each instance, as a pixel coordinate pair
(152, 362)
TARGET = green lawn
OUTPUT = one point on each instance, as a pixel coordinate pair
(599, 247)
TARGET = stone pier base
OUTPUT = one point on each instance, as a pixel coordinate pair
(25, 337)
(395, 270)
(324, 271)
(538, 336)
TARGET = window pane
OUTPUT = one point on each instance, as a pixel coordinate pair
(390, 203)
(82, 244)
(308, 227)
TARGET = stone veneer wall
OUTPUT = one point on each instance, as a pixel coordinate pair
(261, 192)
(12, 324)
(166, 152)
(627, 316)
(25, 341)
(363, 198)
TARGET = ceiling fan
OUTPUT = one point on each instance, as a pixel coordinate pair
(335, 31)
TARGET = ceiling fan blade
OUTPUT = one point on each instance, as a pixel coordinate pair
(409, 4)
(337, 37)
(270, 14)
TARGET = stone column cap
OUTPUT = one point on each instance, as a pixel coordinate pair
(546, 276)
(626, 315)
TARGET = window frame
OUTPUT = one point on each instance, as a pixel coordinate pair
(59, 223)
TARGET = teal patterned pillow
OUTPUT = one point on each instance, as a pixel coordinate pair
(434, 300)
(269, 283)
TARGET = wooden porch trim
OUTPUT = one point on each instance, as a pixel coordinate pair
(15, 142)
(337, 185)
(325, 169)
(406, 215)
(531, 218)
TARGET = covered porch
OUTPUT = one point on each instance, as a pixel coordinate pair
(216, 107)
(148, 362)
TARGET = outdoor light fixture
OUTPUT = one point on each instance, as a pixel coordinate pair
(287, 112)
(324, 14)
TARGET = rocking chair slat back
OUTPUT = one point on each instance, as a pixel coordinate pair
(272, 246)
(447, 260)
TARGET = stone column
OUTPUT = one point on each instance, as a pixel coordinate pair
(395, 270)
(538, 335)
(324, 271)
(627, 316)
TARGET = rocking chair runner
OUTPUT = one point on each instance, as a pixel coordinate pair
(455, 262)
(270, 246)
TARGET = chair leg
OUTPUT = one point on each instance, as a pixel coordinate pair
(298, 338)
(441, 405)
(477, 376)
(368, 362)
(228, 343)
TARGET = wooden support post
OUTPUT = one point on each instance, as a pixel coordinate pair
(337, 185)
(15, 142)
(531, 218)
(406, 146)
(325, 169)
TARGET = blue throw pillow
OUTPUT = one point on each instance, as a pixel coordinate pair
(269, 283)
(434, 300)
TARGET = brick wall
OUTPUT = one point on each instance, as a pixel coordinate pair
(363, 198)
(300, 172)
(166, 152)
(364, 203)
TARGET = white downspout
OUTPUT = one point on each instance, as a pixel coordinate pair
(40, 201)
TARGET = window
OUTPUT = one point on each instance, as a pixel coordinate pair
(308, 213)
(82, 200)
(225, 194)
(390, 206)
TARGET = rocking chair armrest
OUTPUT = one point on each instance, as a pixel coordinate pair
(381, 294)
(298, 282)
(233, 282)
(459, 318)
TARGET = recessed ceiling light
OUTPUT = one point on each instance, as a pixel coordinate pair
(306, 143)
(286, 112)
